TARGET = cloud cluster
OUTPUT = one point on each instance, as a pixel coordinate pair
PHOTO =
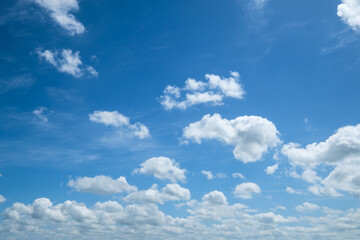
(340, 152)
(101, 185)
(120, 122)
(171, 192)
(349, 11)
(209, 175)
(162, 168)
(59, 12)
(246, 190)
(67, 62)
(198, 92)
(252, 136)
(306, 206)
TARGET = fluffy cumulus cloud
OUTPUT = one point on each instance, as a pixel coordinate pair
(162, 168)
(349, 11)
(67, 61)
(246, 190)
(340, 153)
(198, 92)
(251, 136)
(101, 185)
(271, 169)
(306, 206)
(210, 218)
(120, 122)
(59, 11)
(171, 192)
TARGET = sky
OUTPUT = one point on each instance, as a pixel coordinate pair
(206, 119)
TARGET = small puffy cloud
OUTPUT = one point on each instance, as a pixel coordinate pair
(291, 190)
(67, 62)
(2, 199)
(198, 92)
(59, 12)
(308, 207)
(251, 136)
(101, 185)
(120, 122)
(349, 11)
(238, 175)
(340, 152)
(162, 168)
(246, 190)
(208, 174)
(40, 113)
(271, 169)
(215, 198)
(171, 192)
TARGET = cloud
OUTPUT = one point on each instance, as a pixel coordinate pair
(39, 112)
(252, 136)
(171, 192)
(259, 4)
(102, 185)
(292, 191)
(120, 122)
(2, 199)
(340, 152)
(162, 168)
(271, 169)
(238, 175)
(210, 176)
(215, 198)
(59, 12)
(246, 190)
(197, 92)
(306, 206)
(67, 62)
(349, 11)
(21, 81)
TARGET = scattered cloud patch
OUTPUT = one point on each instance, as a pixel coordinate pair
(67, 61)
(252, 136)
(340, 152)
(102, 185)
(246, 190)
(22, 81)
(349, 12)
(59, 11)
(271, 169)
(171, 192)
(209, 175)
(292, 191)
(120, 122)
(307, 207)
(2, 199)
(162, 168)
(41, 113)
(238, 175)
(198, 92)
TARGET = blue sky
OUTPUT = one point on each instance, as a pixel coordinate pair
(172, 119)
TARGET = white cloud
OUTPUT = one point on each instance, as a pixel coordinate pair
(101, 185)
(162, 168)
(21, 81)
(246, 190)
(252, 136)
(171, 192)
(2, 199)
(59, 12)
(306, 206)
(215, 198)
(259, 3)
(340, 152)
(271, 169)
(238, 175)
(292, 191)
(39, 112)
(198, 92)
(349, 11)
(208, 174)
(120, 122)
(67, 62)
